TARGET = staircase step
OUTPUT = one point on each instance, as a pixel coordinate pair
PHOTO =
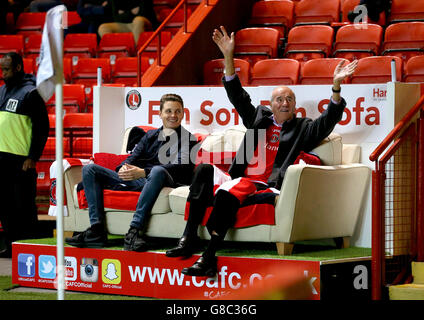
(418, 272)
(410, 291)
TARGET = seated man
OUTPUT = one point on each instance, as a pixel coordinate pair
(134, 16)
(274, 139)
(160, 159)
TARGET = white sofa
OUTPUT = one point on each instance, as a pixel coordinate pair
(315, 202)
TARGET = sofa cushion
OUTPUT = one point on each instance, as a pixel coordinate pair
(228, 140)
(178, 199)
(127, 200)
(109, 160)
(330, 150)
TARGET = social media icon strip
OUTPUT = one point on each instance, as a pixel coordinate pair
(71, 268)
(111, 271)
(26, 265)
(47, 267)
(89, 270)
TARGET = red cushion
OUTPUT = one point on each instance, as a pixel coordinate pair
(222, 160)
(308, 158)
(109, 160)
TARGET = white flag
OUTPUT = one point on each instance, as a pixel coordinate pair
(50, 70)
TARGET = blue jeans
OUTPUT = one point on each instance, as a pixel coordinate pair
(96, 178)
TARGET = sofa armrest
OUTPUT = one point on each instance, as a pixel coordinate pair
(71, 177)
(318, 202)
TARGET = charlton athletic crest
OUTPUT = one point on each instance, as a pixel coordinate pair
(133, 99)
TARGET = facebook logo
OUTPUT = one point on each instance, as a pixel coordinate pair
(26, 265)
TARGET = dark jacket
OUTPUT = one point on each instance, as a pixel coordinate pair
(154, 149)
(297, 134)
(29, 104)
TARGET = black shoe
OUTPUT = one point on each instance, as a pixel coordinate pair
(134, 241)
(91, 238)
(185, 247)
(202, 267)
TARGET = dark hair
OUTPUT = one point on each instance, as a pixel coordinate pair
(170, 97)
(16, 60)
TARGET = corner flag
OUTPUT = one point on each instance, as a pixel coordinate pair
(51, 54)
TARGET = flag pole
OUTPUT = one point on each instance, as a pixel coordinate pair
(59, 162)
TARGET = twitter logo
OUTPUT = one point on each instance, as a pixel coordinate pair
(47, 267)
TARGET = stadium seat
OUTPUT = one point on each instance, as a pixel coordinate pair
(30, 22)
(125, 70)
(29, 65)
(349, 5)
(43, 177)
(82, 147)
(406, 10)
(32, 47)
(49, 152)
(275, 72)
(253, 44)
(73, 99)
(85, 71)
(376, 70)
(11, 43)
(151, 50)
(309, 12)
(176, 22)
(52, 121)
(213, 71)
(404, 39)
(114, 45)
(67, 69)
(353, 43)
(73, 18)
(78, 121)
(309, 42)
(414, 70)
(277, 14)
(320, 71)
(80, 45)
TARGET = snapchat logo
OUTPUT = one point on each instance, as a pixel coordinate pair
(111, 271)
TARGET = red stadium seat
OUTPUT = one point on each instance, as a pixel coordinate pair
(78, 121)
(113, 45)
(80, 45)
(29, 65)
(414, 70)
(72, 18)
(43, 177)
(313, 12)
(406, 10)
(253, 44)
(354, 43)
(151, 50)
(85, 72)
(277, 14)
(349, 5)
(73, 99)
(82, 147)
(404, 39)
(320, 71)
(49, 152)
(125, 70)
(275, 72)
(30, 22)
(376, 70)
(32, 47)
(213, 71)
(309, 42)
(11, 43)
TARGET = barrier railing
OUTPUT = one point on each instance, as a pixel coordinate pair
(398, 202)
(157, 34)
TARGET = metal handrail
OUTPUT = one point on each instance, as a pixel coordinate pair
(397, 129)
(157, 33)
